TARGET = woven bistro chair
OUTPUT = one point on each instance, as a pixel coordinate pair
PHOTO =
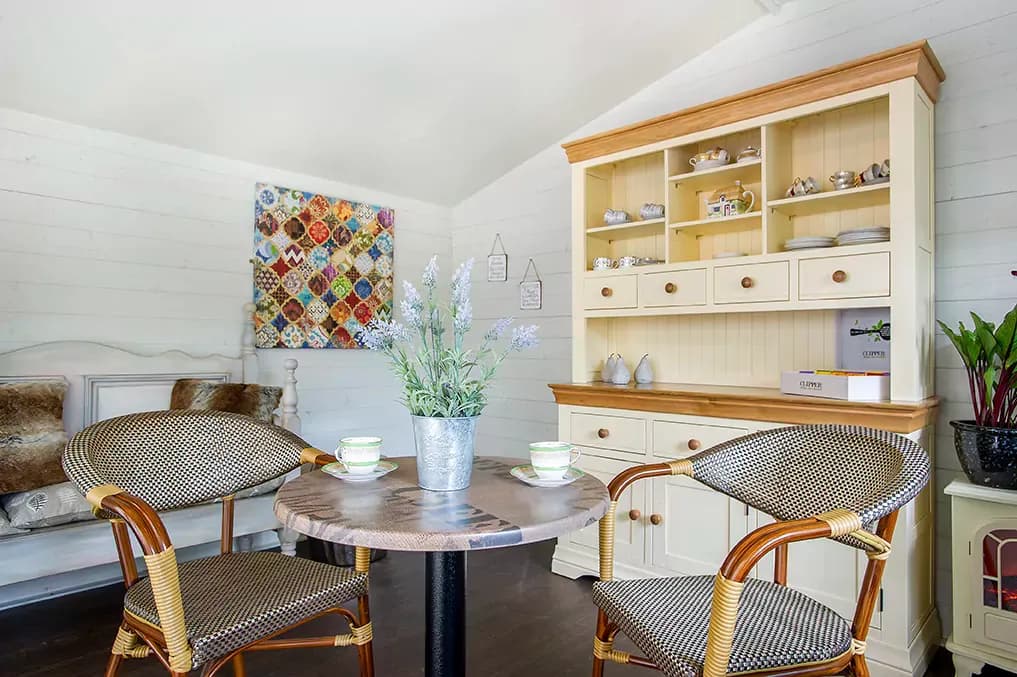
(204, 613)
(817, 481)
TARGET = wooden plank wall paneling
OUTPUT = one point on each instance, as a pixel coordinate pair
(116, 239)
(976, 181)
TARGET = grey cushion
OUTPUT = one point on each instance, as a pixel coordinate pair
(234, 599)
(5, 526)
(46, 506)
(668, 618)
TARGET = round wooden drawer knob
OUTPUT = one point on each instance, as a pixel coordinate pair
(634, 514)
(839, 276)
(656, 519)
(747, 282)
(694, 444)
(606, 291)
(603, 433)
(670, 287)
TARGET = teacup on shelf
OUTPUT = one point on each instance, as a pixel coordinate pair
(604, 263)
(844, 179)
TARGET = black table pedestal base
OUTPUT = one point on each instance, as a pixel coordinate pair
(445, 645)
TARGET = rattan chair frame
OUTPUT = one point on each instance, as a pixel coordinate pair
(737, 565)
(137, 638)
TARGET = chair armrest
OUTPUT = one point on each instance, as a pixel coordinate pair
(161, 562)
(615, 489)
(753, 547)
(316, 456)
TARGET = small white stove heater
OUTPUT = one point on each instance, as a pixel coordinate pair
(984, 578)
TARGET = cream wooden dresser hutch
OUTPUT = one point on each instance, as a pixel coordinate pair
(720, 331)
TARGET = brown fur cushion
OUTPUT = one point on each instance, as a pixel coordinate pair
(251, 400)
(32, 436)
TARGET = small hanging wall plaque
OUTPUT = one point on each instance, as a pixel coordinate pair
(497, 264)
(530, 291)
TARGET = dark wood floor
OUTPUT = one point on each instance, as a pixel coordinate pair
(523, 620)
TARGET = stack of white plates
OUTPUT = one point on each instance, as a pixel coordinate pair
(864, 235)
(810, 242)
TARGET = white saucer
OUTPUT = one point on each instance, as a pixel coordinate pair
(338, 470)
(709, 164)
(525, 473)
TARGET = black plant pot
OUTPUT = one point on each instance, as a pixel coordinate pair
(987, 455)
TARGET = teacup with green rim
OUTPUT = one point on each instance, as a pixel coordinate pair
(551, 460)
(360, 455)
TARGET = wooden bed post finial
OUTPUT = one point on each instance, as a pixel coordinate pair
(247, 353)
(290, 419)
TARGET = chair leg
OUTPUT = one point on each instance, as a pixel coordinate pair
(365, 652)
(603, 634)
(859, 668)
(113, 666)
(238, 666)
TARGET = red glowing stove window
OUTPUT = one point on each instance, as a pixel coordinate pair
(999, 569)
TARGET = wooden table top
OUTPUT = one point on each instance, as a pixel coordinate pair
(393, 513)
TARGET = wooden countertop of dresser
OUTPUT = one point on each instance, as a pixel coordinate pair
(754, 404)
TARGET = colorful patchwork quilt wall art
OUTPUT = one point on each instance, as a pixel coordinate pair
(322, 268)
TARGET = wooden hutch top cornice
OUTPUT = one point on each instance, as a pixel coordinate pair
(752, 404)
(912, 60)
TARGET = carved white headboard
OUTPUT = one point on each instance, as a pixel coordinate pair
(106, 381)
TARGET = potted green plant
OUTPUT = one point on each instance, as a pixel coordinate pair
(987, 445)
(444, 382)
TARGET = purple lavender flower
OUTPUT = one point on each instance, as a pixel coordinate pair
(382, 335)
(430, 277)
(412, 306)
(524, 337)
(498, 329)
(464, 317)
(461, 283)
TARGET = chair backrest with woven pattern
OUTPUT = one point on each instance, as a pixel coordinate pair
(801, 471)
(176, 458)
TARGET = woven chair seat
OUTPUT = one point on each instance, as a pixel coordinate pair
(668, 619)
(231, 600)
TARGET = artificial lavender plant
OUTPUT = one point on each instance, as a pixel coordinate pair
(443, 379)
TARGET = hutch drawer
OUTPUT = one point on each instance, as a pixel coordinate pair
(609, 432)
(678, 440)
(841, 277)
(678, 288)
(610, 292)
(751, 283)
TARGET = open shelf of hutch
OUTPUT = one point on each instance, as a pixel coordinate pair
(720, 329)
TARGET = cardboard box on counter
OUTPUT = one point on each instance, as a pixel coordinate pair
(840, 385)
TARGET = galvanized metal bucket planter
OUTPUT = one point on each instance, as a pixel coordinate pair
(445, 448)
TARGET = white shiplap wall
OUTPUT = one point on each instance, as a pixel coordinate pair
(145, 246)
(976, 183)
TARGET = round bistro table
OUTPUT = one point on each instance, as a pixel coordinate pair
(393, 513)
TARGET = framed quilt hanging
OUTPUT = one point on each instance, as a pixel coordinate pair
(322, 268)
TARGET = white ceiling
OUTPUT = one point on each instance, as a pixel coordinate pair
(430, 99)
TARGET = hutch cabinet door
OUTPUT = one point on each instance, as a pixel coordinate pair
(697, 526)
(629, 533)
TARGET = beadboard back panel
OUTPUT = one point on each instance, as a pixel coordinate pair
(748, 349)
